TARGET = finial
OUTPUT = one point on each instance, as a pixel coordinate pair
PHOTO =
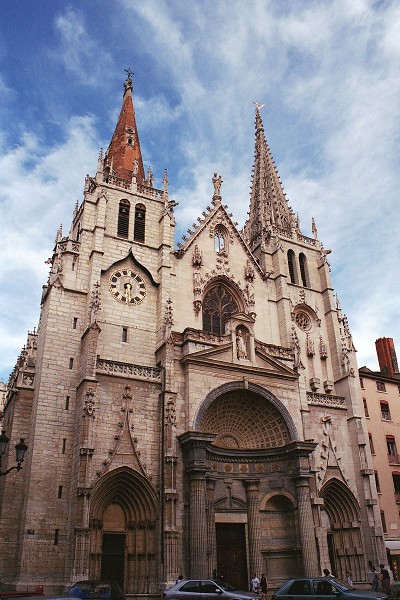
(259, 105)
(129, 74)
(128, 81)
(165, 183)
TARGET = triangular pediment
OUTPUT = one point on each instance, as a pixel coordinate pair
(221, 357)
(216, 216)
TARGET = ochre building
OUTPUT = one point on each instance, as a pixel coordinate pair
(381, 399)
(190, 409)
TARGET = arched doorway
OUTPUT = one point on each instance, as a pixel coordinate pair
(243, 448)
(341, 519)
(123, 531)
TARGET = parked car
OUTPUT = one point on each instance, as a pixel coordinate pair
(92, 590)
(325, 588)
(206, 589)
(23, 595)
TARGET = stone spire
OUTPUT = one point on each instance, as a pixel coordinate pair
(268, 204)
(123, 156)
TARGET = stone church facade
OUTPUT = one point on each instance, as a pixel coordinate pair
(188, 410)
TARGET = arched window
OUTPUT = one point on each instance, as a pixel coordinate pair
(218, 305)
(291, 258)
(123, 219)
(140, 223)
(303, 269)
(220, 237)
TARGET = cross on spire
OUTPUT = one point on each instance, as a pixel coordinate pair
(129, 73)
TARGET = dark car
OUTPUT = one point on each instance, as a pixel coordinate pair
(93, 590)
(323, 588)
(206, 589)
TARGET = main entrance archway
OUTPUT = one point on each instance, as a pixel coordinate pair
(244, 447)
(123, 531)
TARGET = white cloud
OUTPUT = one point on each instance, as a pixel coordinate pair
(328, 73)
(79, 52)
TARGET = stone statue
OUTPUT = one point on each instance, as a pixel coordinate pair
(217, 180)
(240, 345)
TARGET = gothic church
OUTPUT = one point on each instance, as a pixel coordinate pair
(189, 408)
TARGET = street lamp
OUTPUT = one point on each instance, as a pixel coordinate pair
(20, 450)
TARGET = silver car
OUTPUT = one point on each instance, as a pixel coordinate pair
(206, 589)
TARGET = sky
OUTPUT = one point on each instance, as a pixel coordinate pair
(328, 72)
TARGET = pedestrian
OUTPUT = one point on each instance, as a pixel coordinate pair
(385, 579)
(348, 579)
(263, 586)
(255, 584)
(374, 579)
(327, 573)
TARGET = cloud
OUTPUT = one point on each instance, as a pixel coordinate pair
(80, 53)
(38, 188)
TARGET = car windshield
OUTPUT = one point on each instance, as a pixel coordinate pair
(224, 586)
(90, 590)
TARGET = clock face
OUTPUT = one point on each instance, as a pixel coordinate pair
(127, 286)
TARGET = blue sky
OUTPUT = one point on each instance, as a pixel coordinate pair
(328, 72)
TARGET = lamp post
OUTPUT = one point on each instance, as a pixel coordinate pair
(20, 451)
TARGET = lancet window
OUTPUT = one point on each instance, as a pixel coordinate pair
(123, 219)
(220, 237)
(303, 269)
(140, 223)
(218, 306)
(291, 258)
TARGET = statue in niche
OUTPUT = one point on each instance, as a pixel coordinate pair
(241, 350)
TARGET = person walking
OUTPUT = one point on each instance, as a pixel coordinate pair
(255, 584)
(374, 579)
(263, 586)
(385, 579)
(348, 579)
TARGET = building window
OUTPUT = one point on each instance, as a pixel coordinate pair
(124, 334)
(303, 269)
(383, 522)
(75, 322)
(140, 223)
(67, 403)
(56, 533)
(123, 219)
(220, 240)
(385, 411)
(218, 306)
(291, 258)
(71, 363)
(380, 386)
(60, 491)
(361, 383)
(378, 485)
(392, 450)
(365, 407)
(396, 485)
(371, 443)
(64, 445)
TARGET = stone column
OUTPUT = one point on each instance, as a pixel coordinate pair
(194, 448)
(212, 536)
(254, 530)
(198, 526)
(306, 523)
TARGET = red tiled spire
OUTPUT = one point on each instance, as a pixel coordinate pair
(123, 155)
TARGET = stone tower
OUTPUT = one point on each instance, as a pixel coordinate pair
(191, 410)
